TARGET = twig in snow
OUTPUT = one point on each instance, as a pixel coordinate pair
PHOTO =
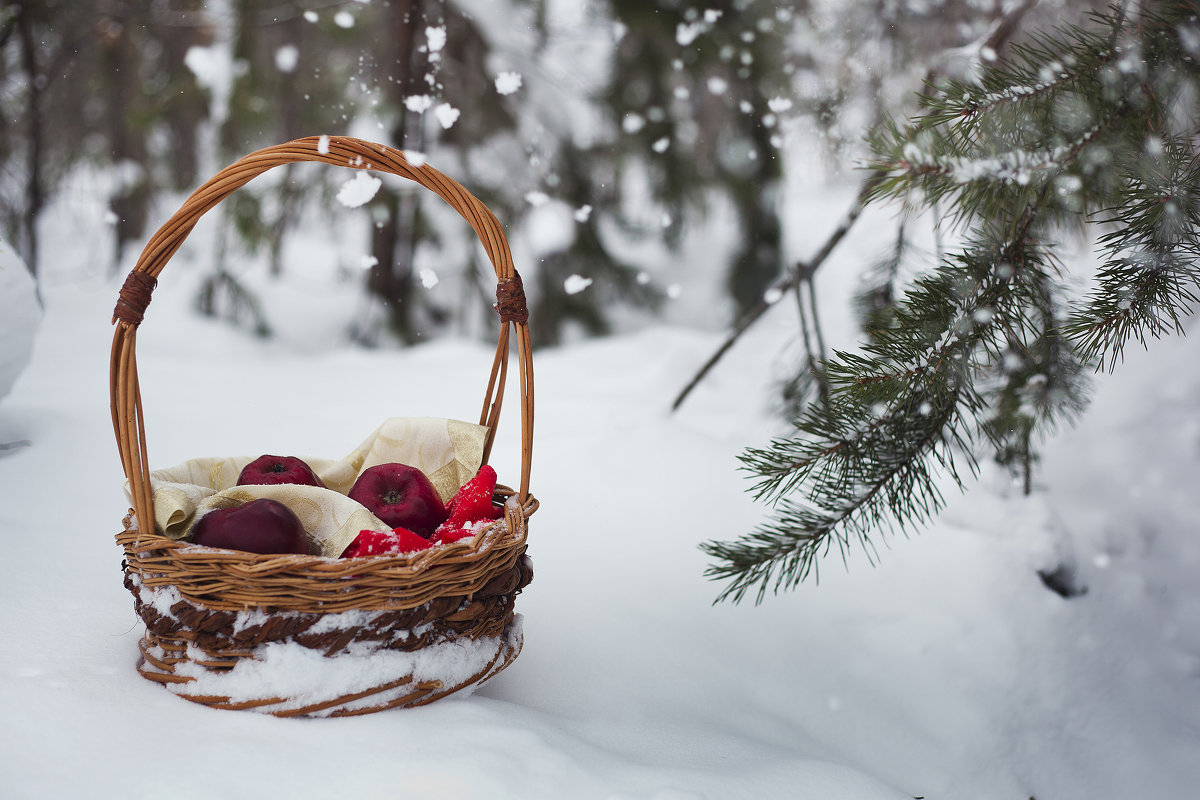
(790, 281)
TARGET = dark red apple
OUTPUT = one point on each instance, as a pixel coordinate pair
(277, 469)
(260, 526)
(270, 470)
(401, 496)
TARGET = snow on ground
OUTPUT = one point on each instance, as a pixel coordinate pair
(948, 671)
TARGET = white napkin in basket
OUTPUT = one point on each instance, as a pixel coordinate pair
(448, 451)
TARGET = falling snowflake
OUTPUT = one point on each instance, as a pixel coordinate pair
(418, 103)
(508, 82)
(583, 213)
(358, 190)
(686, 33)
(447, 114)
(286, 58)
(574, 284)
(632, 123)
(429, 278)
(436, 37)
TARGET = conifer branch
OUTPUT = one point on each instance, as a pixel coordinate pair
(985, 352)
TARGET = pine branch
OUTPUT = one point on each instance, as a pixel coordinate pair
(902, 414)
(975, 355)
(1151, 280)
(785, 552)
(874, 302)
(869, 459)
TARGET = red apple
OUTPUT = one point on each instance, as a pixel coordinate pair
(260, 526)
(270, 470)
(401, 496)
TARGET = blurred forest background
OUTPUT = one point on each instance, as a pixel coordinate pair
(615, 131)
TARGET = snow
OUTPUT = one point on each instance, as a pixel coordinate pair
(550, 226)
(215, 70)
(418, 103)
(632, 123)
(306, 677)
(435, 37)
(948, 671)
(686, 32)
(574, 284)
(428, 277)
(286, 58)
(779, 104)
(508, 82)
(1014, 166)
(358, 190)
(446, 114)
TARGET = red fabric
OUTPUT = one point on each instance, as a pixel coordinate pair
(377, 543)
(473, 501)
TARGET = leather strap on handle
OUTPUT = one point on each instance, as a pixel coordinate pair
(341, 151)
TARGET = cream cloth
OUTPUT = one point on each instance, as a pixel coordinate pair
(448, 451)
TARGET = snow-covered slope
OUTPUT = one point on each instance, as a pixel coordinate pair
(947, 671)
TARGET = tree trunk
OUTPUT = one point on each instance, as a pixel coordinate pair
(35, 197)
(127, 139)
(393, 240)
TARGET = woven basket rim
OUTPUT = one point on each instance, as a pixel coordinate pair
(267, 561)
(232, 579)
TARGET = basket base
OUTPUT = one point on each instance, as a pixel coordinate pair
(286, 679)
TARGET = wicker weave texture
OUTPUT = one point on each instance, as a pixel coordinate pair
(463, 591)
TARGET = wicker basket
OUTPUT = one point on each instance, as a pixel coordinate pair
(440, 620)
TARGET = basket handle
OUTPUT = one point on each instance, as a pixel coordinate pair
(342, 151)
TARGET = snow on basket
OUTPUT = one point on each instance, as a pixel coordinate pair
(296, 634)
